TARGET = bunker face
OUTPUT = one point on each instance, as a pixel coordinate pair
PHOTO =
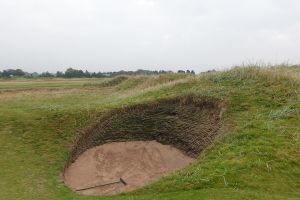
(136, 162)
(189, 124)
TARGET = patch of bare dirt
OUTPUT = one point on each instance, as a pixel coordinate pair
(136, 162)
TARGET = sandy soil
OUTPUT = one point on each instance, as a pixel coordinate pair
(137, 162)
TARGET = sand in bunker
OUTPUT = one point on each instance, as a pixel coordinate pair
(137, 162)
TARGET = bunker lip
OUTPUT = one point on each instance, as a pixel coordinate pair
(122, 166)
(188, 123)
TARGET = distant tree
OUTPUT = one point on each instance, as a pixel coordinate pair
(12, 72)
(192, 72)
(74, 73)
(181, 71)
(188, 71)
(47, 75)
(93, 75)
(69, 73)
(80, 74)
(87, 74)
(6, 74)
(19, 72)
(100, 75)
(59, 74)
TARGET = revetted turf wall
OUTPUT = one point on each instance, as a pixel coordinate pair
(188, 123)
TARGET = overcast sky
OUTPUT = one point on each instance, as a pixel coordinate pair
(111, 35)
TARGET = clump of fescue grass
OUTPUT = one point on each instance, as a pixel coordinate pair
(114, 81)
(133, 82)
(285, 112)
(165, 78)
(110, 82)
(277, 73)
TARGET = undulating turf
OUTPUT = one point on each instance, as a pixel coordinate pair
(258, 157)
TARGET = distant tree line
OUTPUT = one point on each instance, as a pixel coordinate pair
(77, 73)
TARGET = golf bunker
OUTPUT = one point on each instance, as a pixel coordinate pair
(136, 145)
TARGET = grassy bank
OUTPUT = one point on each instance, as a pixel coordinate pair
(257, 158)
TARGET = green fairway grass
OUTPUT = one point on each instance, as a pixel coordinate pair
(257, 158)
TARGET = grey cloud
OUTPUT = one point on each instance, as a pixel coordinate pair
(154, 34)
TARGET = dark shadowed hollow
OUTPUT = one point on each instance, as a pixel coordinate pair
(188, 123)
